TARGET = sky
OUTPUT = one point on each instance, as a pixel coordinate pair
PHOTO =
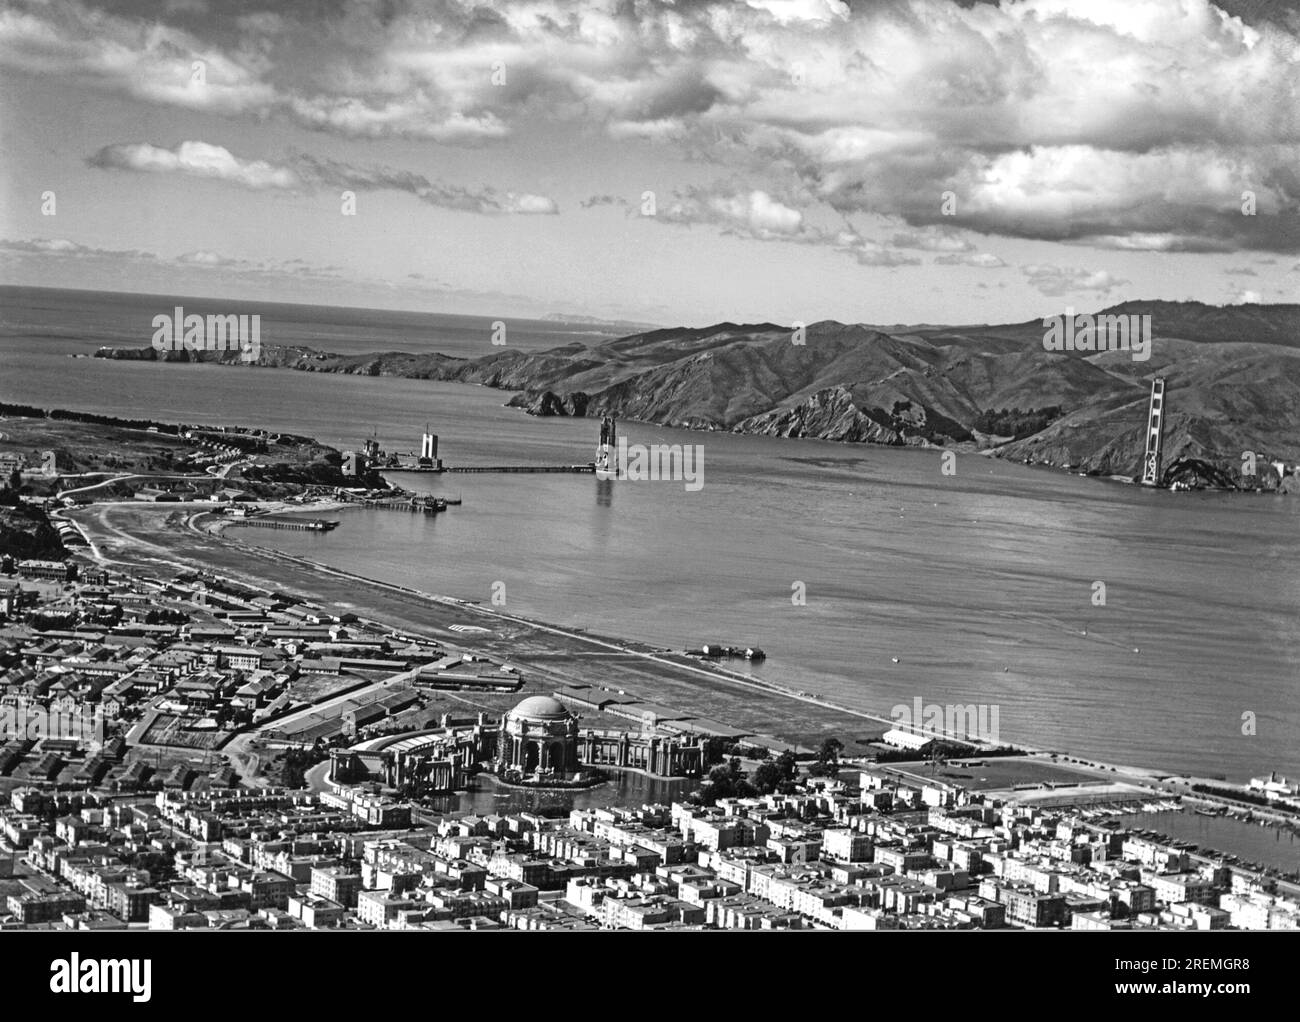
(892, 161)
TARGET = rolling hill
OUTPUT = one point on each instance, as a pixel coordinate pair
(1233, 384)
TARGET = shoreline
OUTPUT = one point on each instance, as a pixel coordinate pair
(537, 646)
(622, 646)
(650, 657)
(965, 447)
(684, 661)
(765, 712)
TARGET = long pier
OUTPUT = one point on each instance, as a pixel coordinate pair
(524, 468)
(428, 506)
(573, 469)
(298, 524)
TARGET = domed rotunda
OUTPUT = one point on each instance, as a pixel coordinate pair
(539, 736)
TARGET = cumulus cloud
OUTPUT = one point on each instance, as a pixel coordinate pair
(205, 259)
(1172, 199)
(1117, 124)
(871, 253)
(198, 159)
(324, 173)
(62, 248)
(309, 173)
(753, 213)
(932, 241)
(980, 260)
(802, 10)
(1057, 281)
(212, 260)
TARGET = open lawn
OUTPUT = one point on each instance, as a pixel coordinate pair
(90, 447)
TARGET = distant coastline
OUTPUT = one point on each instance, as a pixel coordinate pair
(968, 389)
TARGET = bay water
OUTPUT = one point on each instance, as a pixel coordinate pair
(972, 588)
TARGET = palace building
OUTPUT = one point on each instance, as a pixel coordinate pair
(538, 742)
(539, 736)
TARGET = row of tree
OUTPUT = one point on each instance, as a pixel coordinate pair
(727, 779)
(1016, 423)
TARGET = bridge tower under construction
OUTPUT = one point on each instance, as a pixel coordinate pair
(1155, 433)
(605, 465)
(429, 450)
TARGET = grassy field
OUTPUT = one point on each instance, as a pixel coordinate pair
(282, 469)
(90, 447)
(998, 772)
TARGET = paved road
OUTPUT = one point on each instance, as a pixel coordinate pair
(149, 476)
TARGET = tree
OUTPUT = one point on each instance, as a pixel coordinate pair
(714, 750)
(727, 780)
(725, 773)
(9, 491)
(767, 775)
(828, 757)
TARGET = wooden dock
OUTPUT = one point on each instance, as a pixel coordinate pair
(571, 469)
(524, 468)
(428, 505)
(298, 524)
